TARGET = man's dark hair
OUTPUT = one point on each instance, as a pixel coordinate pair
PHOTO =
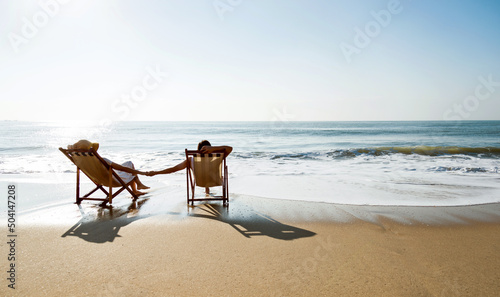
(203, 143)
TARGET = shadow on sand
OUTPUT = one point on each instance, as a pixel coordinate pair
(250, 223)
(104, 225)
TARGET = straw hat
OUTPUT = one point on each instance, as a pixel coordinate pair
(84, 145)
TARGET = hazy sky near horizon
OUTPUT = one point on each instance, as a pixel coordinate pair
(97, 60)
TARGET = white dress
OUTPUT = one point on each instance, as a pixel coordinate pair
(126, 176)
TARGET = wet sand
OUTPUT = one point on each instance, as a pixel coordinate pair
(159, 246)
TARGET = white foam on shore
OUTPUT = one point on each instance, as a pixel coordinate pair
(388, 180)
(337, 186)
(293, 198)
(157, 208)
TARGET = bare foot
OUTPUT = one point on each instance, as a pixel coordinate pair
(139, 193)
(142, 187)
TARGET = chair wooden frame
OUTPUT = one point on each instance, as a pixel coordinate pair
(191, 183)
(113, 178)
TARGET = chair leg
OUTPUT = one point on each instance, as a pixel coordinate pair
(78, 201)
(192, 194)
(187, 185)
(226, 187)
(226, 184)
(110, 187)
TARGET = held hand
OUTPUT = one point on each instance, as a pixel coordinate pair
(151, 173)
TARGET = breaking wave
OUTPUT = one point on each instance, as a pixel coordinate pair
(483, 152)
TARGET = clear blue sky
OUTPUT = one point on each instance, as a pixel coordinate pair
(97, 60)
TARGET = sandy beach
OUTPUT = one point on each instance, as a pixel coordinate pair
(256, 247)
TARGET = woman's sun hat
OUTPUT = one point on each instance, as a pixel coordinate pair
(84, 145)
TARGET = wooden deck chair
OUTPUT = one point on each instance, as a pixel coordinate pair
(100, 173)
(206, 170)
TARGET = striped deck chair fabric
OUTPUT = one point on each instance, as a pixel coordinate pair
(100, 173)
(206, 171)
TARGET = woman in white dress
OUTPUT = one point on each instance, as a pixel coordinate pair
(125, 170)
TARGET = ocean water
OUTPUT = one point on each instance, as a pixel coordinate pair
(363, 163)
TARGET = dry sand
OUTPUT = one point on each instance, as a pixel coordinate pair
(257, 247)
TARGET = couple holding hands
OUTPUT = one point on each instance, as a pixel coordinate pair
(128, 167)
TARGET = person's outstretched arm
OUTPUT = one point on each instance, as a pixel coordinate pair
(125, 169)
(173, 169)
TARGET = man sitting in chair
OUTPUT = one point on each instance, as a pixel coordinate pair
(205, 148)
(123, 170)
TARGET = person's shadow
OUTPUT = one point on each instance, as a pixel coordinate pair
(252, 223)
(105, 224)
